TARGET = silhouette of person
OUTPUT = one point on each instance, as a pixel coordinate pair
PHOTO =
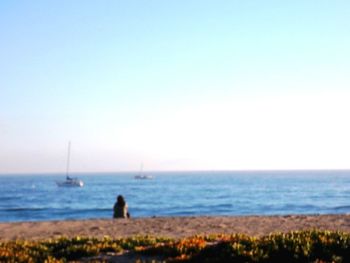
(120, 209)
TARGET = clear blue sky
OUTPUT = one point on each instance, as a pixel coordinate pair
(175, 85)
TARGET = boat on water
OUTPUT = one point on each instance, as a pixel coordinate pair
(142, 176)
(70, 181)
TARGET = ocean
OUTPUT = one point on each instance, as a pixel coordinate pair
(38, 198)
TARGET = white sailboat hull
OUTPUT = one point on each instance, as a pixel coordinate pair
(70, 183)
(143, 177)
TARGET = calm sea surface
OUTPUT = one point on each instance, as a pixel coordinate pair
(37, 197)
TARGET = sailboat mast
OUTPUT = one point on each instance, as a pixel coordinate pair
(141, 169)
(68, 159)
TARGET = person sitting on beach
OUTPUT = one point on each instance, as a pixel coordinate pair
(120, 209)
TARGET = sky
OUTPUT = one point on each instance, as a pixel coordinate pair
(174, 85)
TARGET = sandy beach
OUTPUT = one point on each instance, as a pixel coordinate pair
(175, 227)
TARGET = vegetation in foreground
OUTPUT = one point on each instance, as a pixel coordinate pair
(304, 246)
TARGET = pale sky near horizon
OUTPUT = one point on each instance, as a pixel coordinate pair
(175, 85)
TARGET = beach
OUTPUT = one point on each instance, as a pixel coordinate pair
(174, 227)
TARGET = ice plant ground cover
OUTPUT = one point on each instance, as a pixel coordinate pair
(300, 246)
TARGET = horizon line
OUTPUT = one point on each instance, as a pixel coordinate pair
(181, 171)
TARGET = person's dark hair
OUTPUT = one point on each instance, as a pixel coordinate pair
(120, 201)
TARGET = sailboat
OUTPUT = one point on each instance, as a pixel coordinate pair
(70, 181)
(142, 176)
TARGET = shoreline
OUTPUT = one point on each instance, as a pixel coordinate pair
(173, 227)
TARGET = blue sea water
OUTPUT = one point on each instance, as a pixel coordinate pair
(38, 198)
